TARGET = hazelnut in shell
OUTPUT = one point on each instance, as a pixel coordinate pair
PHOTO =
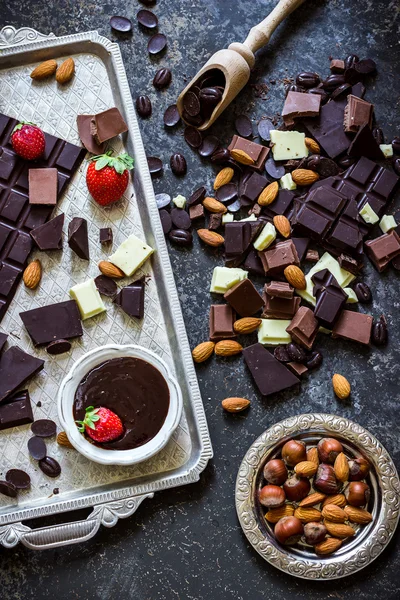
(272, 496)
(358, 469)
(357, 493)
(325, 480)
(314, 533)
(328, 449)
(275, 471)
(294, 452)
(296, 488)
(288, 530)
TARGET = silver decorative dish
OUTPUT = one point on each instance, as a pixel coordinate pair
(300, 560)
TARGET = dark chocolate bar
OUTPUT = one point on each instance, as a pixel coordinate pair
(16, 411)
(16, 367)
(268, 373)
(53, 322)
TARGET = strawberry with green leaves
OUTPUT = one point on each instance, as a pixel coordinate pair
(101, 424)
(107, 177)
(28, 140)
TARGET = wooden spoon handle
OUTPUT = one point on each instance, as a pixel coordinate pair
(259, 35)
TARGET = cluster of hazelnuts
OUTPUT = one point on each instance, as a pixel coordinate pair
(337, 486)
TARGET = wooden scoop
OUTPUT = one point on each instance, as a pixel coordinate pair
(236, 61)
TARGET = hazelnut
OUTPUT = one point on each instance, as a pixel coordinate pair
(325, 480)
(328, 449)
(272, 496)
(294, 452)
(359, 469)
(296, 488)
(288, 530)
(275, 471)
(314, 533)
(357, 493)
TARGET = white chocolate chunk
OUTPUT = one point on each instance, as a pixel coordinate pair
(250, 218)
(368, 214)
(227, 218)
(224, 278)
(287, 182)
(387, 150)
(130, 255)
(324, 330)
(272, 332)
(179, 201)
(88, 299)
(288, 145)
(266, 237)
(387, 223)
(326, 261)
(351, 295)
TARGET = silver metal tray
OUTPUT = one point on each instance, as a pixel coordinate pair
(369, 541)
(113, 492)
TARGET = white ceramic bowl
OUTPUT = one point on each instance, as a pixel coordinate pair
(66, 397)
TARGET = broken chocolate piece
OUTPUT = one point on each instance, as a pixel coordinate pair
(107, 124)
(49, 235)
(53, 322)
(257, 152)
(357, 113)
(244, 298)
(280, 308)
(383, 249)
(327, 129)
(312, 256)
(215, 221)
(3, 339)
(131, 299)
(276, 258)
(106, 235)
(330, 298)
(301, 245)
(43, 186)
(16, 410)
(298, 104)
(279, 289)
(16, 367)
(78, 239)
(84, 124)
(353, 326)
(196, 212)
(349, 264)
(297, 368)
(304, 327)
(364, 144)
(268, 373)
(222, 318)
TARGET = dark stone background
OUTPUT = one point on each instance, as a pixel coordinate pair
(186, 543)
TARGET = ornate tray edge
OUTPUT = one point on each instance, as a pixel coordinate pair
(13, 530)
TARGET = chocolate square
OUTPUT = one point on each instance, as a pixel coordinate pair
(107, 124)
(330, 298)
(280, 308)
(353, 326)
(43, 186)
(298, 104)
(304, 327)
(270, 375)
(357, 113)
(84, 124)
(106, 235)
(244, 298)
(222, 318)
(131, 299)
(196, 212)
(381, 250)
(257, 152)
(60, 321)
(276, 258)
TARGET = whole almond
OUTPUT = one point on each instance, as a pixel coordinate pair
(295, 277)
(242, 157)
(334, 513)
(213, 206)
(312, 499)
(110, 270)
(357, 515)
(65, 71)
(341, 386)
(339, 530)
(312, 145)
(62, 440)
(32, 274)
(307, 515)
(234, 405)
(338, 499)
(203, 351)
(341, 467)
(306, 468)
(223, 177)
(211, 238)
(304, 176)
(227, 348)
(282, 225)
(312, 455)
(246, 325)
(328, 546)
(45, 69)
(275, 514)
(268, 194)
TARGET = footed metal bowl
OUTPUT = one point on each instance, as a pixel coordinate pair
(300, 560)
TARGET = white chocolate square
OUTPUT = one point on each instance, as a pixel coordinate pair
(368, 214)
(387, 223)
(272, 332)
(227, 218)
(88, 299)
(252, 217)
(266, 237)
(288, 145)
(287, 182)
(224, 278)
(387, 150)
(130, 255)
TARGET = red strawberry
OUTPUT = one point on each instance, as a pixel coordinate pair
(107, 177)
(28, 141)
(101, 424)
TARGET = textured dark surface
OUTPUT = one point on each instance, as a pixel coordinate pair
(186, 543)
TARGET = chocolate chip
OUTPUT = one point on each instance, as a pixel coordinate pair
(292, 87)
(365, 66)
(227, 193)
(166, 221)
(191, 104)
(320, 92)
(350, 61)
(196, 121)
(147, 19)
(60, 346)
(396, 165)
(333, 81)
(273, 169)
(341, 91)
(106, 286)
(163, 200)
(157, 43)
(37, 448)
(193, 137)
(180, 218)
(378, 135)
(264, 128)
(314, 360)
(346, 161)
(220, 156)
(44, 428)
(325, 167)
(296, 353)
(178, 164)
(50, 466)
(380, 332)
(181, 237)
(209, 145)
(172, 116)
(155, 165)
(282, 354)
(243, 126)
(352, 76)
(308, 79)
(8, 489)
(143, 106)
(197, 197)
(56, 491)
(121, 24)
(18, 478)
(363, 292)
(396, 145)
(209, 99)
(162, 78)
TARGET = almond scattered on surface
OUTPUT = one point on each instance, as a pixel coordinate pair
(312, 145)
(282, 224)
(110, 270)
(341, 386)
(65, 71)
(242, 157)
(304, 176)
(211, 238)
(45, 69)
(214, 206)
(62, 440)
(223, 177)
(268, 194)
(227, 348)
(295, 277)
(246, 325)
(203, 351)
(234, 405)
(32, 274)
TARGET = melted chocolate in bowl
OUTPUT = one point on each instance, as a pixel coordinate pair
(133, 389)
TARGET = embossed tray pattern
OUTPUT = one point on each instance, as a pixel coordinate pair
(99, 83)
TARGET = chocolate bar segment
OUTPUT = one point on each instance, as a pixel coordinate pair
(298, 104)
(357, 113)
(364, 144)
(84, 124)
(330, 298)
(279, 289)
(257, 152)
(353, 326)
(276, 258)
(381, 250)
(43, 186)
(304, 327)
(78, 239)
(280, 308)
(49, 235)
(16, 411)
(53, 322)
(244, 298)
(222, 318)
(107, 124)
(131, 299)
(16, 367)
(327, 129)
(268, 373)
